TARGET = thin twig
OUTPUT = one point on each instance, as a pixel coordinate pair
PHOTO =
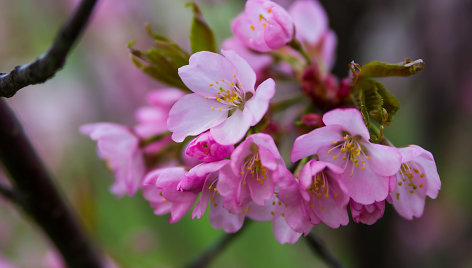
(318, 246)
(209, 255)
(49, 63)
(39, 197)
(8, 194)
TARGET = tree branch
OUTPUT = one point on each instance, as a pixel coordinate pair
(8, 194)
(318, 246)
(39, 197)
(48, 64)
(207, 256)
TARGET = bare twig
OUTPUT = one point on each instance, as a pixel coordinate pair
(39, 197)
(207, 256)
(49, 63)
(318, 246)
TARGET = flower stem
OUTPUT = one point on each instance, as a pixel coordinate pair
(318, 246)
(298, 47)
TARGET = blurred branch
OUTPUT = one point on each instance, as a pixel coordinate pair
(318, 246)
(8, 194)
(211, 253)
(39, 197)
(46, 65)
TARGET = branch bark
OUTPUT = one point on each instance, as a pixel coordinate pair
(8, 194)
(46, 65)
(318, 246)
(38, 195)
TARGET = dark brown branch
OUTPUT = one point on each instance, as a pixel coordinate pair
(39, 197)
(8, 194)
(209, 255)
(318, 246)
(46, 66)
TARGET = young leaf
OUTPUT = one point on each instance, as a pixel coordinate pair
(201, 36)
(381, 69)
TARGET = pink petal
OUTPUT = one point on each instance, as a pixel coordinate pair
(205, 68)
(260, 192)
(244, 73)
(365, 186)
(283, 233)
(310, 143)
(350, 119)
(257, 61)
(179, 210)
(384, 160)
(310, 20)
(259, 103)
(220, 218)
(233, 129)
(192, 114)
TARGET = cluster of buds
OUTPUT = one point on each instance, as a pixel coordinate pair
(218, 145)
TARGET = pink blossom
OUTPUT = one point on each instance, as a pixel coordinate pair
(224, 100)
(367, 214)
(416, 179)
(119, 147)
(5, 264)
(311, 23)
(255, 168)
(160, 189)
(206, 149)
(258, 62)
(344, 141)
(263, 26)
(203, 178)
(324, 193)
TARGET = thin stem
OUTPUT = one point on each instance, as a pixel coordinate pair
(213, 251)
(46, 65)
(298, 47)
(318, 246)
(40, 199)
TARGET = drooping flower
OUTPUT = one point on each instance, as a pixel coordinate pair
(206, 149)
(344, 141)
(324, 193)
(367, 214)
(255, 168)
(224, 100)
(160, 189)
(263, 26)
(417, 178)
(119, 147)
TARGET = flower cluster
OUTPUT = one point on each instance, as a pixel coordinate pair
(234, 165)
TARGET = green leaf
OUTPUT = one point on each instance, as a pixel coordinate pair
(381, 69)
(162, 61)
(201, 36)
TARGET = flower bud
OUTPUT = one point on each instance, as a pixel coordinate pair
(206, 149)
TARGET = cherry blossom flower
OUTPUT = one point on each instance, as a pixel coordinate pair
(206, 149)
(119, 147)
(324, 193)
(224, 100)
(416, 179)
(367, 214)
(255, 168)
(263, 26)
(258, 62)
(160, 189)
(344, 141)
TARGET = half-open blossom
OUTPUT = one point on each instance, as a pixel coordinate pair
(367, 214)
(344, 141)
(416, 179)
(160, 189)
(206, 149)
(263, 26)
(255, 168)
(224, 100)
(119, 147)
(324, 193)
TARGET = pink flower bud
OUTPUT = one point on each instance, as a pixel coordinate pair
(367, 214)
(263, 26)
(206, 149)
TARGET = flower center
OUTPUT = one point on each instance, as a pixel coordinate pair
(350, 151)
(229, 93)
(406, 177)
(253, 169)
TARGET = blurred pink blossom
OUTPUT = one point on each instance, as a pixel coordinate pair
(367, 214)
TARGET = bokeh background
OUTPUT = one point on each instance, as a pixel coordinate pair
(99, 83)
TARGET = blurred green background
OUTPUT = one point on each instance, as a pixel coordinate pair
(99, 83)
